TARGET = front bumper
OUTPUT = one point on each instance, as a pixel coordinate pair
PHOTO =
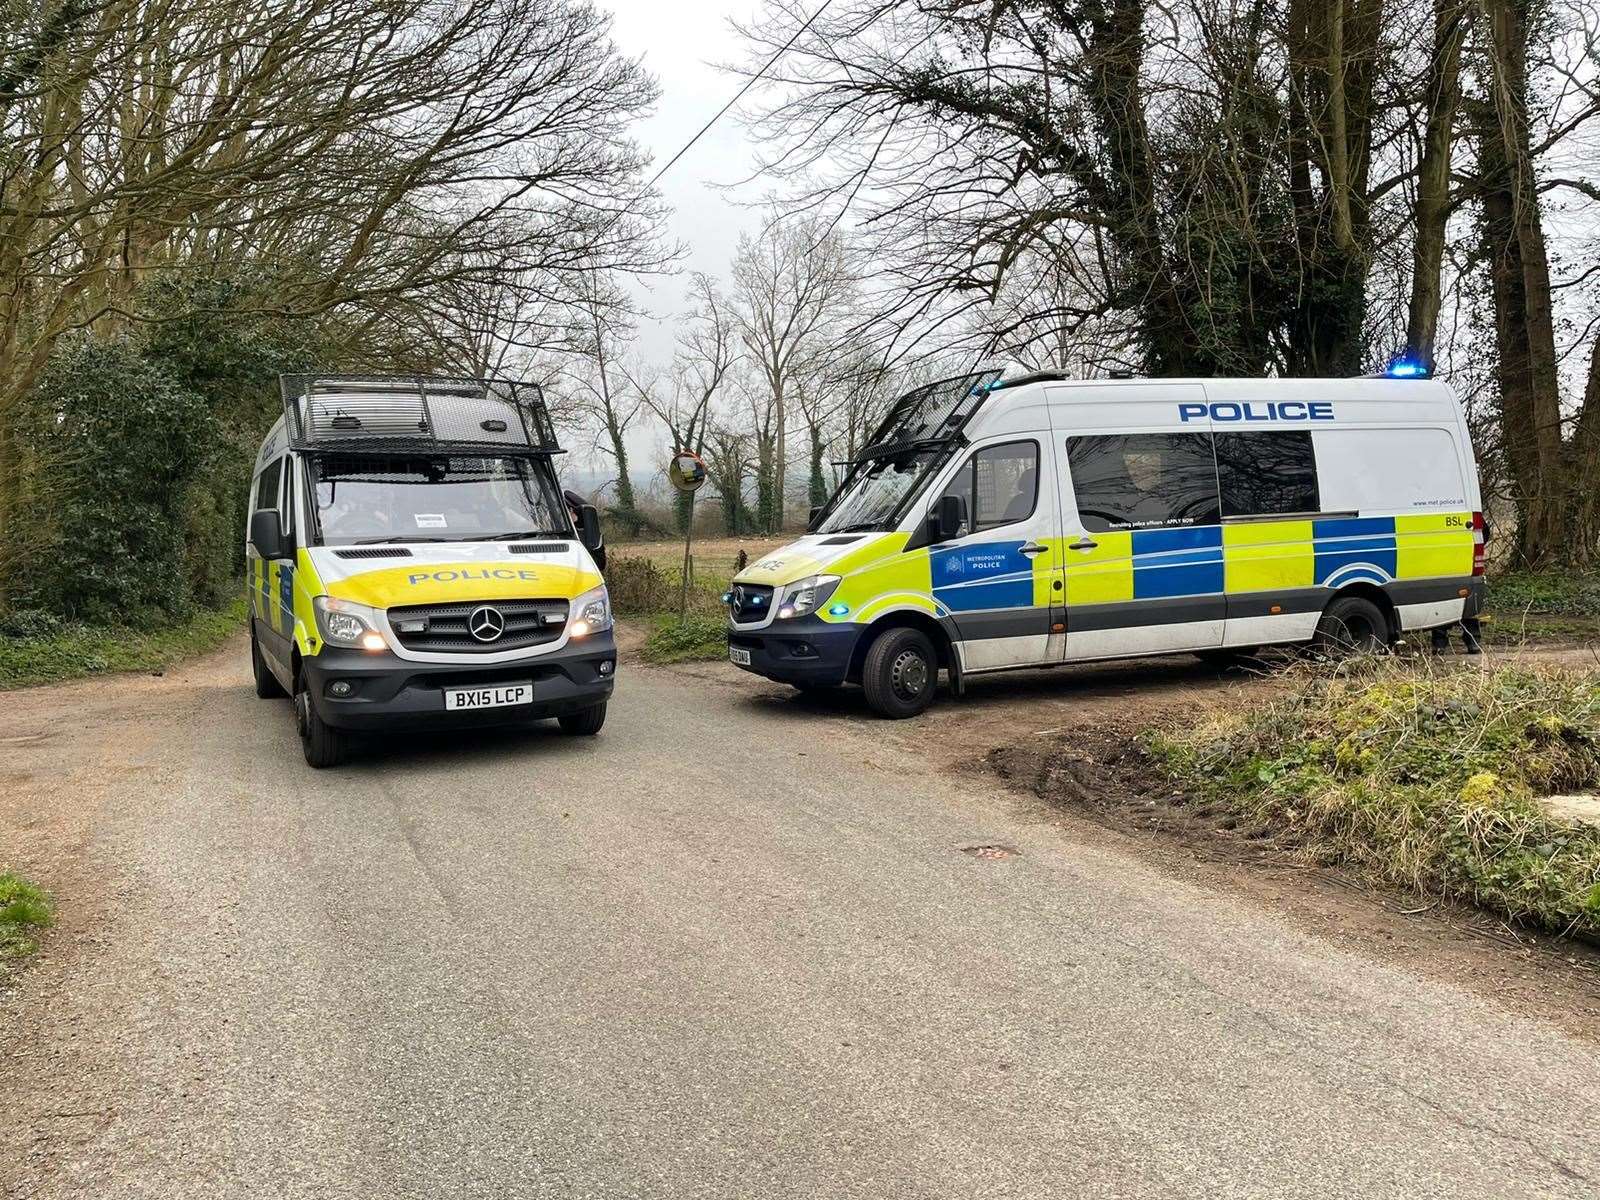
(394, 693)
(800, 650)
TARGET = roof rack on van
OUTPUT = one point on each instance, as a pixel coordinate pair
(931, 415)
(409, 413)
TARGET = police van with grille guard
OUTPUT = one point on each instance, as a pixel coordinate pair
(411, 562)
(999, 521)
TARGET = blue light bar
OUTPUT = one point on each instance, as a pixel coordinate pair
(1406, 368)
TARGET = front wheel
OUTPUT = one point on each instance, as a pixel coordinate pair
(900, 674)
(267, 685)
(584, 723)
(1351, 625)
(324, 745)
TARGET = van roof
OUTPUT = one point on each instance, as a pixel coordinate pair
(415, 413)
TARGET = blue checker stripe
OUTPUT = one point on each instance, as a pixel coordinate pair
(1383, 556)
(1190, 537)
(985, 575)
(1003, 593)
(1178, 575)
(1345, 527)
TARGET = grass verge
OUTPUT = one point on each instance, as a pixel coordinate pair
(1426, 780)
(71, 651)
(1545, 606)
(24, 911)
(701, 638)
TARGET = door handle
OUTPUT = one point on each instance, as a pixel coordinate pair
(1032, 549)
(1084, 543)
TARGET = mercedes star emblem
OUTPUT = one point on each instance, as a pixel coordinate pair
(486, 623)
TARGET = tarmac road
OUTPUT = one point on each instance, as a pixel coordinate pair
(730, 948)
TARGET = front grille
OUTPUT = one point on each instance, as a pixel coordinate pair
(445, 628)
(750, 602)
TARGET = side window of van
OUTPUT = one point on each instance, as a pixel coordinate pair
(1144, 480)
(1000, 485)
(1265, 474)
(267, 485)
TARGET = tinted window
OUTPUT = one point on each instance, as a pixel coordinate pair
(267, 485)
(1144, 480)
(1265, 473)
(1000, 485)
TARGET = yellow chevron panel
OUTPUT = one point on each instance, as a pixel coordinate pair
(1430, 545)
(1103, 575)
(1261, 556)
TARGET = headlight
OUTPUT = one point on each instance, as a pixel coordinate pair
(806, 595)
(346, 623)
(591, 613)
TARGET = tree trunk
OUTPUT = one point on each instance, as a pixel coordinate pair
(819, 477)
(1519, 269)
(1433, 179)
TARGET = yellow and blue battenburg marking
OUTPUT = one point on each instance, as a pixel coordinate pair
(1329, 552)
(987, 575)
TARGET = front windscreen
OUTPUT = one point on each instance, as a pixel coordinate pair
(361, 499)
(877, 492)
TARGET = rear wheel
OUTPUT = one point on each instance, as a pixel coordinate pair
(1351, 625)
(584, 723)
(901, 673)
(267, 685)
(324, 745)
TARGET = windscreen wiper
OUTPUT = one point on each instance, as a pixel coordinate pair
(515, 537)
(377, 541)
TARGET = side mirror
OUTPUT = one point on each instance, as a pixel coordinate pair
(947, 519)
(589, 527)
(266, 534)
(816, 511)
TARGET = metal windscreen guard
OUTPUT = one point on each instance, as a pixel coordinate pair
(409, 413)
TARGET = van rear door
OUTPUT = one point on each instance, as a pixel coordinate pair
(1140, 518)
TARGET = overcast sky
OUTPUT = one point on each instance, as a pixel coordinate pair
(681, 45)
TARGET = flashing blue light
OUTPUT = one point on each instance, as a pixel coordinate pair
(838, 610)
(727, 597)
(1406, 368)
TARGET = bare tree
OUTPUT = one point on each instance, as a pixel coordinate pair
(602, 328)
(789, 282)
(365, 161)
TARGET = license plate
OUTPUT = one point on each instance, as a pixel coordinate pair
(740, 655)
(500, 696)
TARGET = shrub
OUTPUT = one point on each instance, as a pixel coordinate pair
(118, 442)
(700, 637)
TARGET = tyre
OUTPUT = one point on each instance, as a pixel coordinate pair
(267, 685)
(584, 723)
(324, 745)
(901, 673)
(1351, 625)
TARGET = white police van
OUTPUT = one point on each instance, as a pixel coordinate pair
(412, 562)
(998, 521)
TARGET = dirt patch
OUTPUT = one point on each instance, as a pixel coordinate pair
(1098, 773)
